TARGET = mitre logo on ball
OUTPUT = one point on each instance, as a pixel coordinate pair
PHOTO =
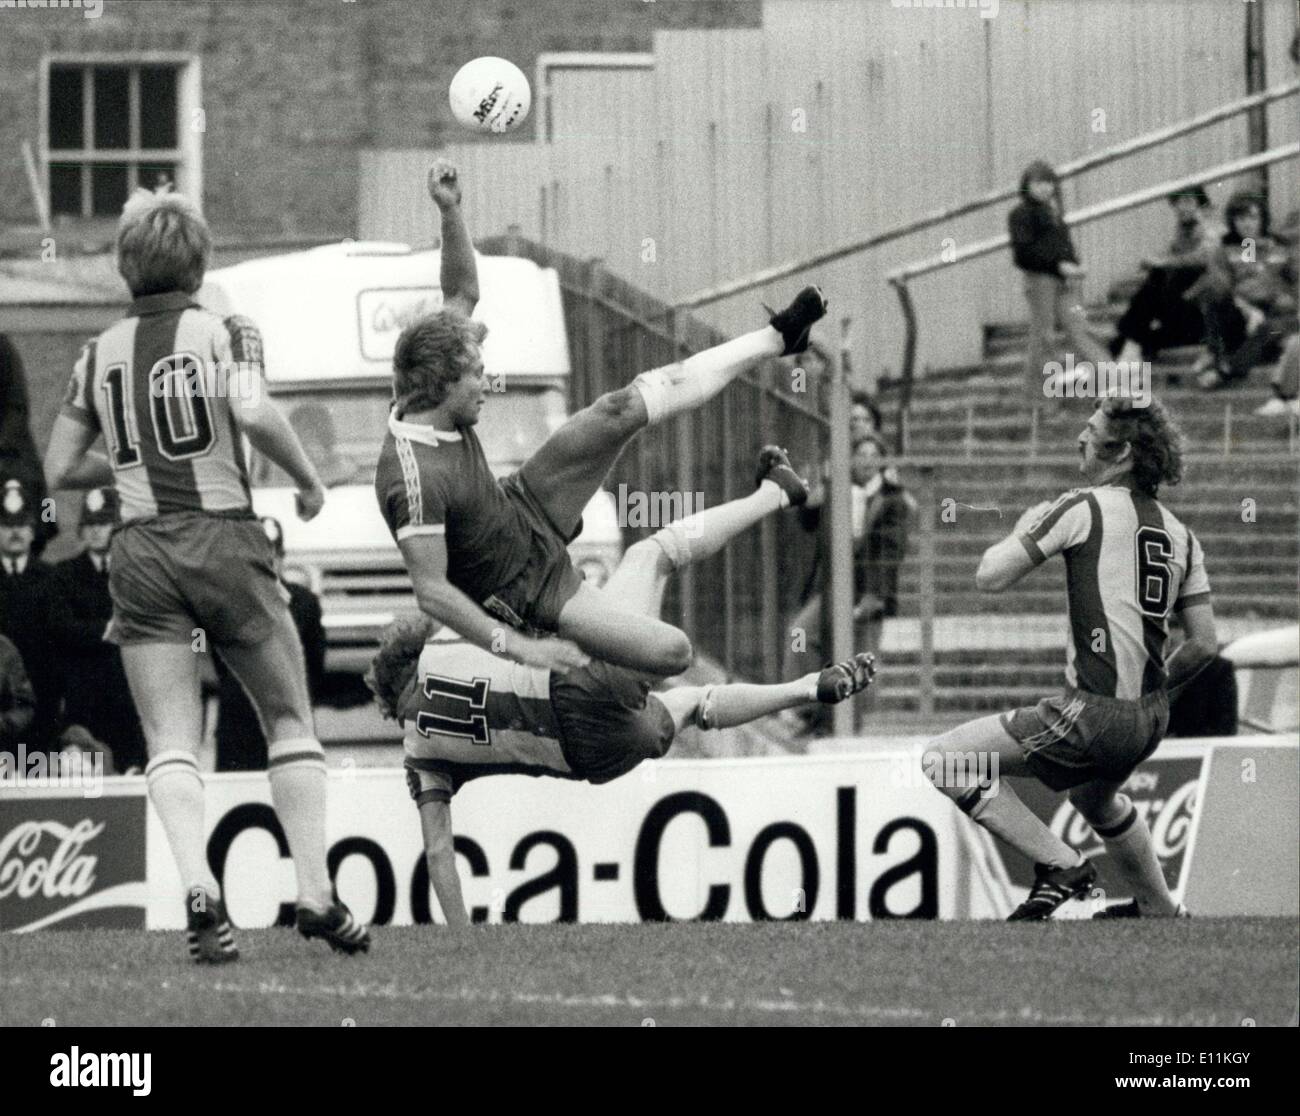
(490, 95)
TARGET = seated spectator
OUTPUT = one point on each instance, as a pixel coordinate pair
(881, 510)
(17, 702)
(1247, 296)
(80, 610)
(241, 742)
(1044, 251)
(1159, 316)
(24, 607)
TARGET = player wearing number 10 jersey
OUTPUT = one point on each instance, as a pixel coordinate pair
(1130, 565)
(175, 390)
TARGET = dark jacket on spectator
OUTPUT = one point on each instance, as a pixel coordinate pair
(18, 457)
(877, 553)
(25, 618)
(17, 701)
(1040, 240)
(96, 695)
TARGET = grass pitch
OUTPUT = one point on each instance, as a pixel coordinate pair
(1197, 972)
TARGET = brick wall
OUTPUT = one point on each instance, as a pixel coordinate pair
(291, 90)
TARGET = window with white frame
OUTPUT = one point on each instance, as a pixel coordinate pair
(112, 126)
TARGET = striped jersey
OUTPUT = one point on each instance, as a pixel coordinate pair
(1129, 564)
(158, 385)
(434, 482)
(470, 713)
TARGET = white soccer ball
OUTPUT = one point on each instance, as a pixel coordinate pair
(490, 95)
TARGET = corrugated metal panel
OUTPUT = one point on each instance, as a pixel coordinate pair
(840, 117)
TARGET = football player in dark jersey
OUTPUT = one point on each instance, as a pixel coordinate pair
(174, 390)
(470, 713)
(481, 551)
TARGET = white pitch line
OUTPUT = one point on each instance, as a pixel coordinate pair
(611, 1000)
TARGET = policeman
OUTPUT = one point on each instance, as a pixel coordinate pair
(96, 695)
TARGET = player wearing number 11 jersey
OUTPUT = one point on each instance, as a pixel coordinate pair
(1130, 566)
(175, 390)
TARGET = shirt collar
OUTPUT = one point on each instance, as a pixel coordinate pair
(419, 432)
(159, 303)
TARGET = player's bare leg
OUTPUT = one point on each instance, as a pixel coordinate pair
(164, 683)
(568, 469)
(952, 763)
(1116, 821)
(274, 676)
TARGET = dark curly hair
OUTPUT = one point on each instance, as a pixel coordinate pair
(1156, 440)
(394, 664)
(430, 356)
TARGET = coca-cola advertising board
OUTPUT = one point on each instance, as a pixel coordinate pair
(69, 861)
(1163, 789)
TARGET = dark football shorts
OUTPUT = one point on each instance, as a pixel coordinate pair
(548, 581)
(1076, 737)
(188, 570)
(609, 720)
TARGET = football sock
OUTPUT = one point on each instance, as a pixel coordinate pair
(176, 791)
(1129, 844)
(297, 772)
(738, 703)
(697, 379)
(695, 537)
(1002, 813)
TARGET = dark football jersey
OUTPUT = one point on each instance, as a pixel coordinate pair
(433, 482)
(159, 385)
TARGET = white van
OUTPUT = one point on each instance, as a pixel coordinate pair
(329, 318)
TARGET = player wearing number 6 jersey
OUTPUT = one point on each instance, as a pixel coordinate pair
(1130, 565)
(175, 390)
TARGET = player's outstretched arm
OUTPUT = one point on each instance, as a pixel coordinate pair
(459, 272)
(68, 460)
(440, 856)
(426, 559)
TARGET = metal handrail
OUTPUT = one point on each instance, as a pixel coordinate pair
(996, 197)
(899, 277)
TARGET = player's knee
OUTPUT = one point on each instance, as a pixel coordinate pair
(1098, 807)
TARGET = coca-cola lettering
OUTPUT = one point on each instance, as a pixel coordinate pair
(65, 872)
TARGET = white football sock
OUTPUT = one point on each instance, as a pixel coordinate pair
(685, 385)
(297, 772)
(1129, 844)
(698, 536)
(1003, 814)
(176, 791)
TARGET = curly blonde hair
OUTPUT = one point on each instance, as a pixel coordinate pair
(1156, 440)
(395, 663)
